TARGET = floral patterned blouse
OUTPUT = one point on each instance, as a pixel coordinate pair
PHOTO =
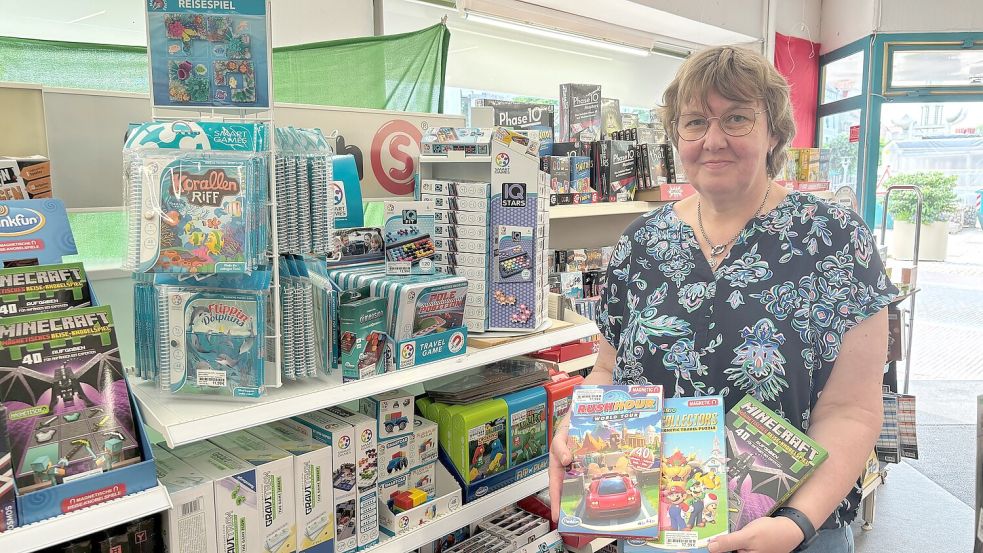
(768, 322)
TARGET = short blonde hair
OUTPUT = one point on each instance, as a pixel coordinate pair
(739, 75)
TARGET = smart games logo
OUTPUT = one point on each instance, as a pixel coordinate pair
(456, 342)
(407, 355)
(502, 160)
(344, 442)
(366, 436)
(18, 221)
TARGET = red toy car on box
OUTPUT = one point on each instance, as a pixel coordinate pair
(612, 495)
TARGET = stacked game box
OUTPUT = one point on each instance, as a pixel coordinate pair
(612, 487)
(408, 232)
(536, 118)
(25, 178)
(519, 221)
(580, 112)
(461, 227)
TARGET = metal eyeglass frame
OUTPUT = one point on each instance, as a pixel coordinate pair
(675, 125)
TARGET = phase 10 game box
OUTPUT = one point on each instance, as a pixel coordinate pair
(612, 487)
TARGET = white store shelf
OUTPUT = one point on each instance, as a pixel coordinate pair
(455, 157)
(53, 531)
(182, 421)
(600, 209)
(467, 514)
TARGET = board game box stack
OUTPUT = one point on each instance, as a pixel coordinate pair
(612, 487)
(70, 428)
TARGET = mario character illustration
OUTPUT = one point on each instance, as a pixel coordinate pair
(697, 491)
(676, 496)
(710, 509)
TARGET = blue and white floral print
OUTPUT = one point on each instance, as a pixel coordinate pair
(769, 321)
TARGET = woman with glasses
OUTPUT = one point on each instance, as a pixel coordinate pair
(748, 288)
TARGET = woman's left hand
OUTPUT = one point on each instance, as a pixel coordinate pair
(764, 535)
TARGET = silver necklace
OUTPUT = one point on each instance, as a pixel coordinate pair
(719, 249)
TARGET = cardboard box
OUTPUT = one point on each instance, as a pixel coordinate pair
(467, 232)
(237, 520)
(461, 259)
(396, 456)
(425, 441)
(392, 411)
(458, 217)
(8, 508)
(580, 112)
(275, 487)
(341, 437)
(550, 543)
(536, 119)
(367, 472)
(451, 142)
(188, 526)
(468, 189)
(457, 203)
(473, 274)
(447, 500)
(362, 323)
(422, 477)
(454, 245)
(408, 231)
(25, 178)
(313, 489)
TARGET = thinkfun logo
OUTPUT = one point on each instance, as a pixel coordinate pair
(18, 221)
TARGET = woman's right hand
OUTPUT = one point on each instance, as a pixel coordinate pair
(560, 458)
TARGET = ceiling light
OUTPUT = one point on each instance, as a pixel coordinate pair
(558, 35)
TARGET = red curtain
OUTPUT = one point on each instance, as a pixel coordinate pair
(798, 60)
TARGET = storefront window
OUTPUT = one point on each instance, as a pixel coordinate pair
(844, 153)
(843, 78)
(934, 136)
(911, 68)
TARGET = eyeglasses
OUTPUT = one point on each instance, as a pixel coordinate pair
(736, 122)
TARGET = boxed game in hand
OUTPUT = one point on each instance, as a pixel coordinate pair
(694, 477)
(769, 459)
(612, 486)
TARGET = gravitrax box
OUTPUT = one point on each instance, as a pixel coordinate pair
(189, 526)
(236, 516)
(313, 490)
(341, 437)
(275, 485)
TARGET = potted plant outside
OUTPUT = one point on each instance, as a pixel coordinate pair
(938, 200)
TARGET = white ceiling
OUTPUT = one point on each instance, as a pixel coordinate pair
(627, 13)
(105, 21)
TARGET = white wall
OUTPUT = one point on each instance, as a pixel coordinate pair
(898, 16)
(799, 18)
(844, 21)
(497, 60)
(307, 21)
(742, 16)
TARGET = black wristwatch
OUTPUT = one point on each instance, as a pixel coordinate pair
(800, 520)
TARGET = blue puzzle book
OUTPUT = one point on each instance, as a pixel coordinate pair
(612, 487)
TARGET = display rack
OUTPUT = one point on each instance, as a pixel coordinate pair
(185, 421)
(473, 511)
(53, 531)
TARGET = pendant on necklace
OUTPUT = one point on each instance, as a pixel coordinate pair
(717, 250)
